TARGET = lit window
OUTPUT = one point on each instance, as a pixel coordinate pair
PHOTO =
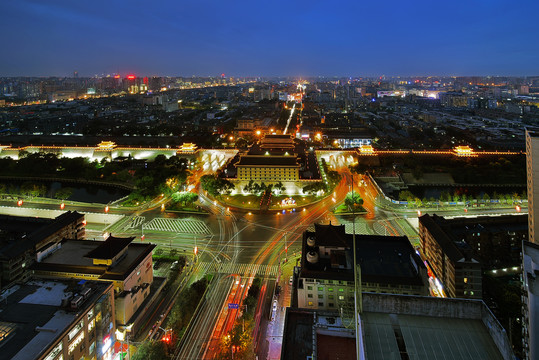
(330, 289)
(465, 280)
(320, 288)
(310, 303)
(341, 297)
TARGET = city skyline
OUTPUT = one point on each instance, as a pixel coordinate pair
(246, 39)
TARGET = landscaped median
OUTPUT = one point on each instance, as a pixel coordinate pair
(352, 205)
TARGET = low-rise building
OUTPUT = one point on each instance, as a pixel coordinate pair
(127, 265)
(268, 168)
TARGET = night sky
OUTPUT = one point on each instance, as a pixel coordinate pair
(268, 38)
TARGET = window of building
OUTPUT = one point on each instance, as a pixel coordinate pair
(75, 330)
(310, 303)
(320, 303)
(320, 296)
(331, 305)
(309, 295)
(320, 288)
(341, 290)
(57, 350)
(92, 348)
(330, 289)
(341, 297)
(465, 280)
(330, 297)
(309, 287)
(471, 293)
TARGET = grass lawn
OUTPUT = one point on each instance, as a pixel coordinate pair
(241, 201)
(343, 210)
(190, 209)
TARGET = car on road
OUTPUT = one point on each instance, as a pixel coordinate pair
(291, 280)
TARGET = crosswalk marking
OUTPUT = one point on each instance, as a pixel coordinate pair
(190, 226)
(241, 269)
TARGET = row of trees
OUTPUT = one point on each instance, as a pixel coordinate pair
(332, 176)
(315, 188)
(261, 188)
(446, 196)
(184, 308)
(30, 189)
(216, 185)
(162, 176)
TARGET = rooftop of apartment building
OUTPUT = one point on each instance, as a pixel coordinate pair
(19, 234)
(32, 317)
(451, 233)
(76, 256)
(398, 327)
(327, 254)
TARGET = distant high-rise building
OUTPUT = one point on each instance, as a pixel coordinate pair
(532, 170)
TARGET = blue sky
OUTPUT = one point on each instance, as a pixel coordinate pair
(290, 38)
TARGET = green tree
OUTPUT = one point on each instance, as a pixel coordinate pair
(215, 185)
(353, 200)
(333, 178)
(151, 350)
(249, 187)
(63, 193)
(406, 195)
